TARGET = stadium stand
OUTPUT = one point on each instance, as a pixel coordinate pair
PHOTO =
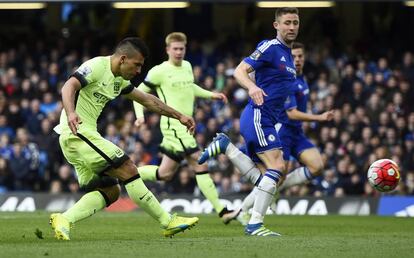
(371, 98)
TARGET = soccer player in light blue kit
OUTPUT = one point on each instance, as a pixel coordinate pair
(99, 163)
(275, 75)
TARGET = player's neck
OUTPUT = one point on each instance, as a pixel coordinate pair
(114, 67)
(175, 63)
(289, 45)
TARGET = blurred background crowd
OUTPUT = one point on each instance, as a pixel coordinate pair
(371, 99)
(371, 94)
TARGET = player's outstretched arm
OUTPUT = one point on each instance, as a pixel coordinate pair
(154, 104)
(242, 76)
(205, 94)
(295, 114)
(69, 90)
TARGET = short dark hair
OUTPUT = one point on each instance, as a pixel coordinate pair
(296, 45)
(284, 10)
(125, 46)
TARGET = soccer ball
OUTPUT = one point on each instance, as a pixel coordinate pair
(384, 175)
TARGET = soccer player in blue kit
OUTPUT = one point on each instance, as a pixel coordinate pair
(294, 142)
(275, 75)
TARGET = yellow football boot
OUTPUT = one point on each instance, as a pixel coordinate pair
(60, 225)
(179, 224)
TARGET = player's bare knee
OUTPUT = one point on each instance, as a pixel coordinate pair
(193, 159)
(110, 194)
(316, 167)
(114, 193)
(166, 175)
(196, 167)
(281, 167)
(126, 171)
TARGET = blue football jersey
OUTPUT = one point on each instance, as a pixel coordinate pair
(274, 73)
(298, 99)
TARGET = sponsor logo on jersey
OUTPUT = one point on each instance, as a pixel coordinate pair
(283, 59)
(182, 84)
(291, 70)
(100, 98)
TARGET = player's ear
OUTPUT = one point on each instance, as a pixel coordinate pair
(122, 59)
(275, 24)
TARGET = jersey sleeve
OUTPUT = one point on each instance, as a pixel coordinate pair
(202, 93)
(198, 91)
(261, 56)
(290, 102)
(154, 77)
(89, 72)
(126, 87)
(190, 69)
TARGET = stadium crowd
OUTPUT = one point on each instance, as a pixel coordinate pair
(371, 97)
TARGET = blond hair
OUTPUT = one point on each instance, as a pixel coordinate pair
(175, 37)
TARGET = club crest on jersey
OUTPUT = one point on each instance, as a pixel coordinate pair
(85, 70)
(271, 138)
(255, 55)
(119, 153)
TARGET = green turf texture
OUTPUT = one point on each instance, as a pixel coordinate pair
(136, 235)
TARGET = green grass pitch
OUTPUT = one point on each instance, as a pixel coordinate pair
(135, 234)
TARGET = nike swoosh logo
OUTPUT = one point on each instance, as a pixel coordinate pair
(143, 196)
